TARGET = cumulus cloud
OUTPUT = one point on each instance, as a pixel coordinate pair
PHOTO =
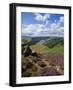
(39, 30)
(28, 30)
(40, 17)
(61, 19)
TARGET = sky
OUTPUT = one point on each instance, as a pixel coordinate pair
(42, 24)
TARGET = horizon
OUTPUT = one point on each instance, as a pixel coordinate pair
(42, 36)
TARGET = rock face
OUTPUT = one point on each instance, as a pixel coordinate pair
(28, 51)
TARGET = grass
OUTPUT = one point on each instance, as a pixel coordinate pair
(57, 46)
(39, 48)
(44, 49)
(26, 40)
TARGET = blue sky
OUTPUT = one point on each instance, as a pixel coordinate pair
(42, 24)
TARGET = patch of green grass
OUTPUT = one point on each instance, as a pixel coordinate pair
(59, 49)
(39, 48)
(26, 40)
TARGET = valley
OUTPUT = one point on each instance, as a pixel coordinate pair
(45, 56)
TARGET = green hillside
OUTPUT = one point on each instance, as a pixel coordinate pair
(59, 49)
(40, 48)
(26, 40)
(51, 46)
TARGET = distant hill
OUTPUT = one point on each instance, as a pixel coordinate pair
(48, 41)
(54, 42)
(45, 44)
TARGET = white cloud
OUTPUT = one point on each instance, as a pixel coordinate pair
(40, 17)
(28, 29)
(37, 30)
(47, 22)
(61, 19)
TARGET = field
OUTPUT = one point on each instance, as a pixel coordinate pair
(42, 56)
